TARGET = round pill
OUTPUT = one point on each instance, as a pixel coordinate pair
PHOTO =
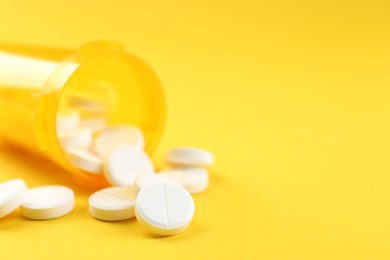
(112, 204)
(66, 121)
(47, 202)
(80, 137)
(85, 160)
(164, 208)
(144, 180)
(12, 194)
(88, 103)
(96, 124)
(111, 137)
(194, 180)
(124, 165)
(187, 156)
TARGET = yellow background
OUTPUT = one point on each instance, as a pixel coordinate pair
(291, 96)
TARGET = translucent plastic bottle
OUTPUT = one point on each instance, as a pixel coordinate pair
(35, 84)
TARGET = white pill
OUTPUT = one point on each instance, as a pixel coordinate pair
(112, 204)
(89, 104)
(66, 121)
(12, 194)
(47, 202)
(111, 137)
(80, 137)
(194, 180)
(144, 180)
(187, 156)
(124, 165)
(164, 208)
(85, 160)
(96, 124)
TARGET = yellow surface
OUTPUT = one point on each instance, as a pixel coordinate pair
(291, 96)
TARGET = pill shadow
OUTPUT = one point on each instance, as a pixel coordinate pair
(193, 230)
(43, 168)
(125, 228)
(12, 221)
(116, 223)
(215, 178)
(217, 183)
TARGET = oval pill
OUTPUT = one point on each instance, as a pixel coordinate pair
(194, 180)
(124, 165)
(12, 194)
(112, 137)
(164, 208)
(48, 202)
(188, 156)
(112, 204)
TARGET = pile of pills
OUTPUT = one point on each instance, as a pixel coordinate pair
(41, 203)
(160, 201)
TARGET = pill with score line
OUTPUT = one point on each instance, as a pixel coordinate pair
(143, 180)
(164, 208)
(112, 204)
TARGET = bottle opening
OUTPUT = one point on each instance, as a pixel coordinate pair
(91, 93)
